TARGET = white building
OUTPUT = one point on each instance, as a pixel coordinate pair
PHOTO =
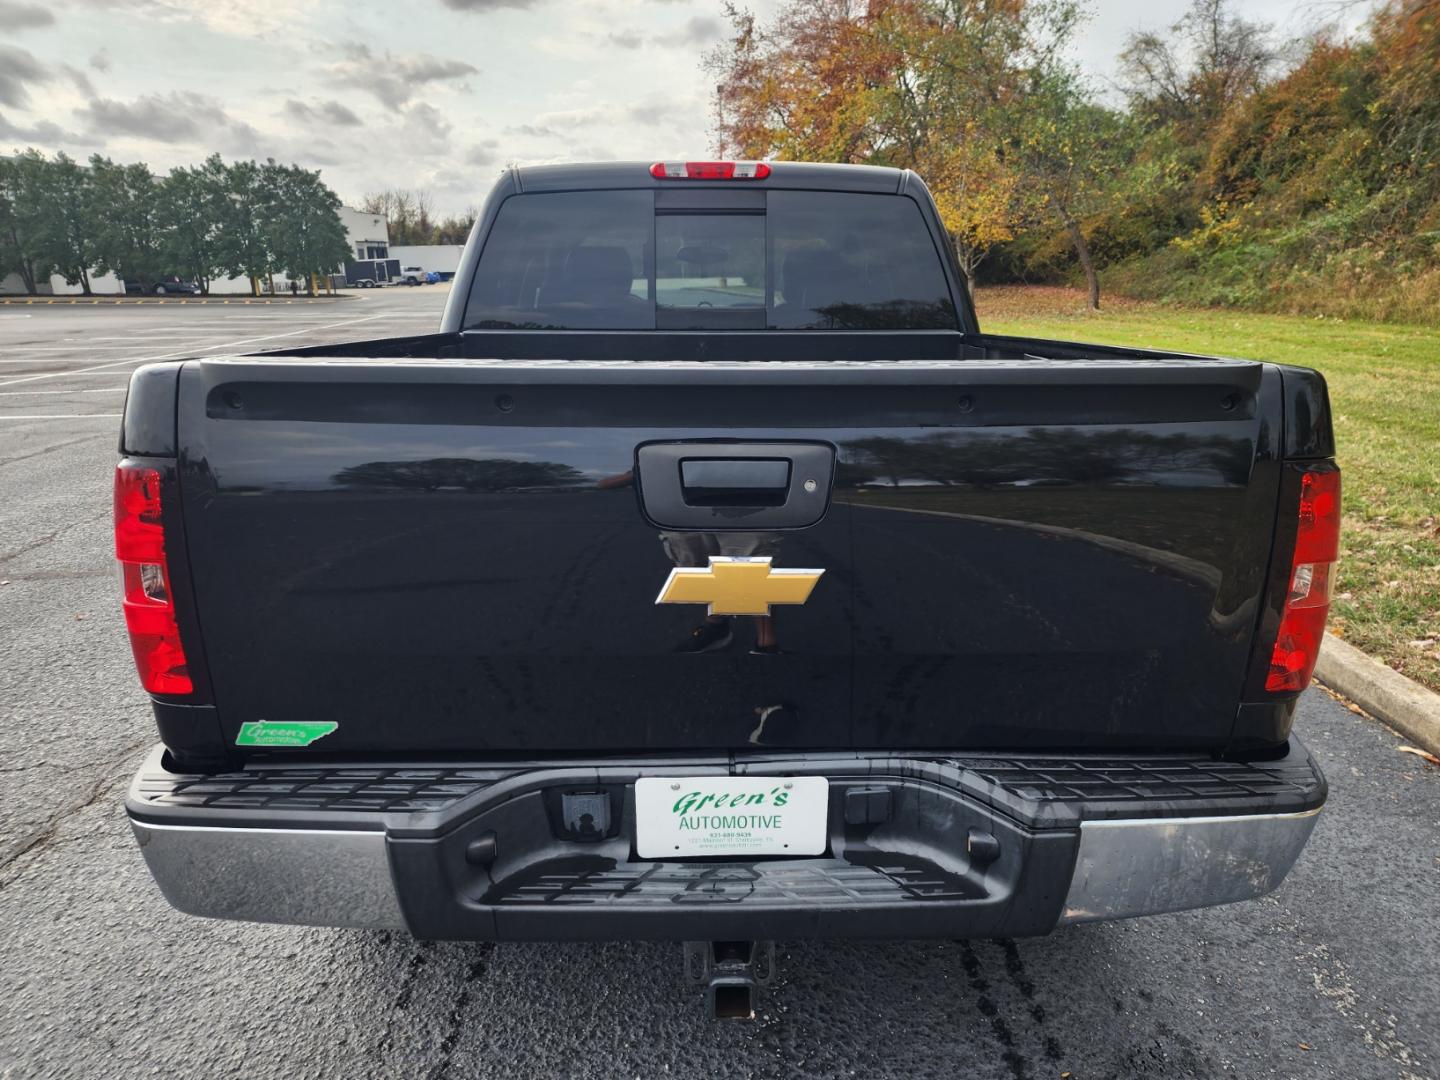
(444, 258)
(55, 285)
(369, 234)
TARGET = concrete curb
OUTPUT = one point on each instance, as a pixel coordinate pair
(1381, 691)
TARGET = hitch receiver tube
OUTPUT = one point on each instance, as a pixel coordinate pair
(732, 973)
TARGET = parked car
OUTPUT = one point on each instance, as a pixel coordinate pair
(944, 634)
(413, 275)
(163, 286)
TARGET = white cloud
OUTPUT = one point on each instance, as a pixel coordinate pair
(650, 112)
(698, 30)
(45, 133)
(18, 70)
(424, 130)
(393, 80)
(322, 114)
(234, 18)
(16, 16)
(483, 6)
(626, 39)
(486, 152)
(78, 77)
(179, 116)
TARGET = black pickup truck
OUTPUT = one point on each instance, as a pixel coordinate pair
(711, 577)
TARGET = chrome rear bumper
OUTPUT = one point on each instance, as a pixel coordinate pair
(304, 877)
(1127, 868)
(472, 853)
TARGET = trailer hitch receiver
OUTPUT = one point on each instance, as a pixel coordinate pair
(732, 973)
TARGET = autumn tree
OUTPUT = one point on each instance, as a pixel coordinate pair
(922, 84)
(1406, 66)
(977, 193)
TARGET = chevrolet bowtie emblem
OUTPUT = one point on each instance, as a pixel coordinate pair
(738, 586)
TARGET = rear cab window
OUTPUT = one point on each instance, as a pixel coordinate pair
(790, 260)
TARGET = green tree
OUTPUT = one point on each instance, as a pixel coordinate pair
(191, 207)
(1064, 147)
(242, 246)
(126, 231)
(68, 221)
(304, 229)
(22, 212)
(11, 260)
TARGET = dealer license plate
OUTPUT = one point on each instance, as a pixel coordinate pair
(677, 817)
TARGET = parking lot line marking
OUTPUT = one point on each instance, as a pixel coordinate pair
(172, 346)
(65, 416)
(69, 349)
(192, 301)
(36, 393)
(183, 354)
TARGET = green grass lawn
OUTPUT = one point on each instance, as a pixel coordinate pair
(1384, 383)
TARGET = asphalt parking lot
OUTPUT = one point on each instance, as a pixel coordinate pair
(1337, 974)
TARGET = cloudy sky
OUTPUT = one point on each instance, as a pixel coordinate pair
(433, 94)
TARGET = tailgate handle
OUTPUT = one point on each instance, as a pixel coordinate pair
(708, 481)
(730, 485)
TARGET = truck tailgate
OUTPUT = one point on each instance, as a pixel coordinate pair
(454, 557)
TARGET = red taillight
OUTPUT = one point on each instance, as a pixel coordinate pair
(710, 170)
(148, 604)
(1317, 546)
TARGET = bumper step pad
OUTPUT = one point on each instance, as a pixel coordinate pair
(281, 787)
(1038, 791)
(798, 884)
(1079, 788)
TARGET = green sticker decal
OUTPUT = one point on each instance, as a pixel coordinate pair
(261, 733)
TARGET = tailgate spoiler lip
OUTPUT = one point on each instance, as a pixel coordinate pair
(1247, 374)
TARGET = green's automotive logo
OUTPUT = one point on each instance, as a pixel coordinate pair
(695, 802)
(267, 733)
(718, 810)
